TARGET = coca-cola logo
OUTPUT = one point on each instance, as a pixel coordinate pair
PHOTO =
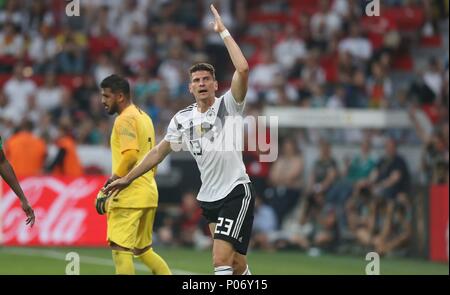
(61, 207)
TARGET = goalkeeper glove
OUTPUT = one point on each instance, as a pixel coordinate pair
(101, 202)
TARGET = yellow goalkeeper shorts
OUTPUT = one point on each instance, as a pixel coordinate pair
(131, 227)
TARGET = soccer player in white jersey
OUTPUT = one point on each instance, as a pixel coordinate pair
(226, 195)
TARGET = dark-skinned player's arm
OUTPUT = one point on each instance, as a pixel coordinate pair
(151, 159)
(7, 173)
(239, 83)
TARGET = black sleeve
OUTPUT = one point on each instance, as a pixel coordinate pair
(58, 160)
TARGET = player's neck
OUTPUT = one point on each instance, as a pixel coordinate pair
(204, 104)
(123, 106)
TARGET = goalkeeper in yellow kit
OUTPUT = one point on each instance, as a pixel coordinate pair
(131, 213)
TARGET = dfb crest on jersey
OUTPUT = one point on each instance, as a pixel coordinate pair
(210, 116)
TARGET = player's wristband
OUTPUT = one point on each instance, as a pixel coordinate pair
(224, 34)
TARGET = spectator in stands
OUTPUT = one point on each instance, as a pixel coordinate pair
(435, 159)
(11, 13)
(83, 93)
(262, 76)
(390, 179)
(285, 178)
(72, 47)
(37, 16)
(318, 97)
(66, 109)
(26, 152)
(356, 93)
(380, 87)
(312, 74)
(316, 228)
(125, 16)
(189, 220)
(325, 233)
(137, 48)
(435, 153)
(45, 128)
(433, 77)
(427, 87)
(264, 225)
(172, 69)
(395, 230)
(165, 234)
(358, 46)
(66, 162)
(361, 217)
(323, 175)
(18, 89)
(324, 24)
(356, 170)
(42, 50)
(158, 105)
(33, 112)
(290, 49)
(145, 86)
(12, 47)
(7, 115)
(282, 93)
(337, 100)
(359, 168)
(50, 95)
(104, 67)
(101, 39)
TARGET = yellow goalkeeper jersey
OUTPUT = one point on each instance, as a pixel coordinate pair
(133, 130)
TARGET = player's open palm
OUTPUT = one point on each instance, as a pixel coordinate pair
(218, 24)
(29, 212)
(116, 186)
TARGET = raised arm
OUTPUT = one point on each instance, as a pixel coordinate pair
(151, 159)
(239, 83)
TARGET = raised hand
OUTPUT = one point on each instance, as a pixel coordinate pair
(218, 24)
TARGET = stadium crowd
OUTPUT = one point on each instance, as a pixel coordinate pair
(306, 54)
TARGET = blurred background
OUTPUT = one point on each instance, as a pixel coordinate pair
(362, 104)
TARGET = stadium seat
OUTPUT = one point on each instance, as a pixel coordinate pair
(263, 17)
(403, 62)
(329, 64)
(68, 81)
(431, 41)
(306, 6)
(406, 18)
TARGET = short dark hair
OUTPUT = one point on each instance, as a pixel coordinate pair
(117, 84)
(203, 67)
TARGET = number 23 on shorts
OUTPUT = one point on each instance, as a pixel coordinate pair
(224, 226)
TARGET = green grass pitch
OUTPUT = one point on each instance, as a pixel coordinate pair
(93, 261)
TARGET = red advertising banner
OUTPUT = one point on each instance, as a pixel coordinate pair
(64, 209)
(439, 223)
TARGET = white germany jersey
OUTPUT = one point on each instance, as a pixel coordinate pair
(214, 139)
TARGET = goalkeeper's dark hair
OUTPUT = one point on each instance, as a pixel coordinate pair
(203, 67)
(117, 84)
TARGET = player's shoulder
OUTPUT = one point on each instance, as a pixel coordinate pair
(185, 113)
(187, 109)
(127, 118)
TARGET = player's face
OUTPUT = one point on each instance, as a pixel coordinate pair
(202, 86)
(110, 101)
